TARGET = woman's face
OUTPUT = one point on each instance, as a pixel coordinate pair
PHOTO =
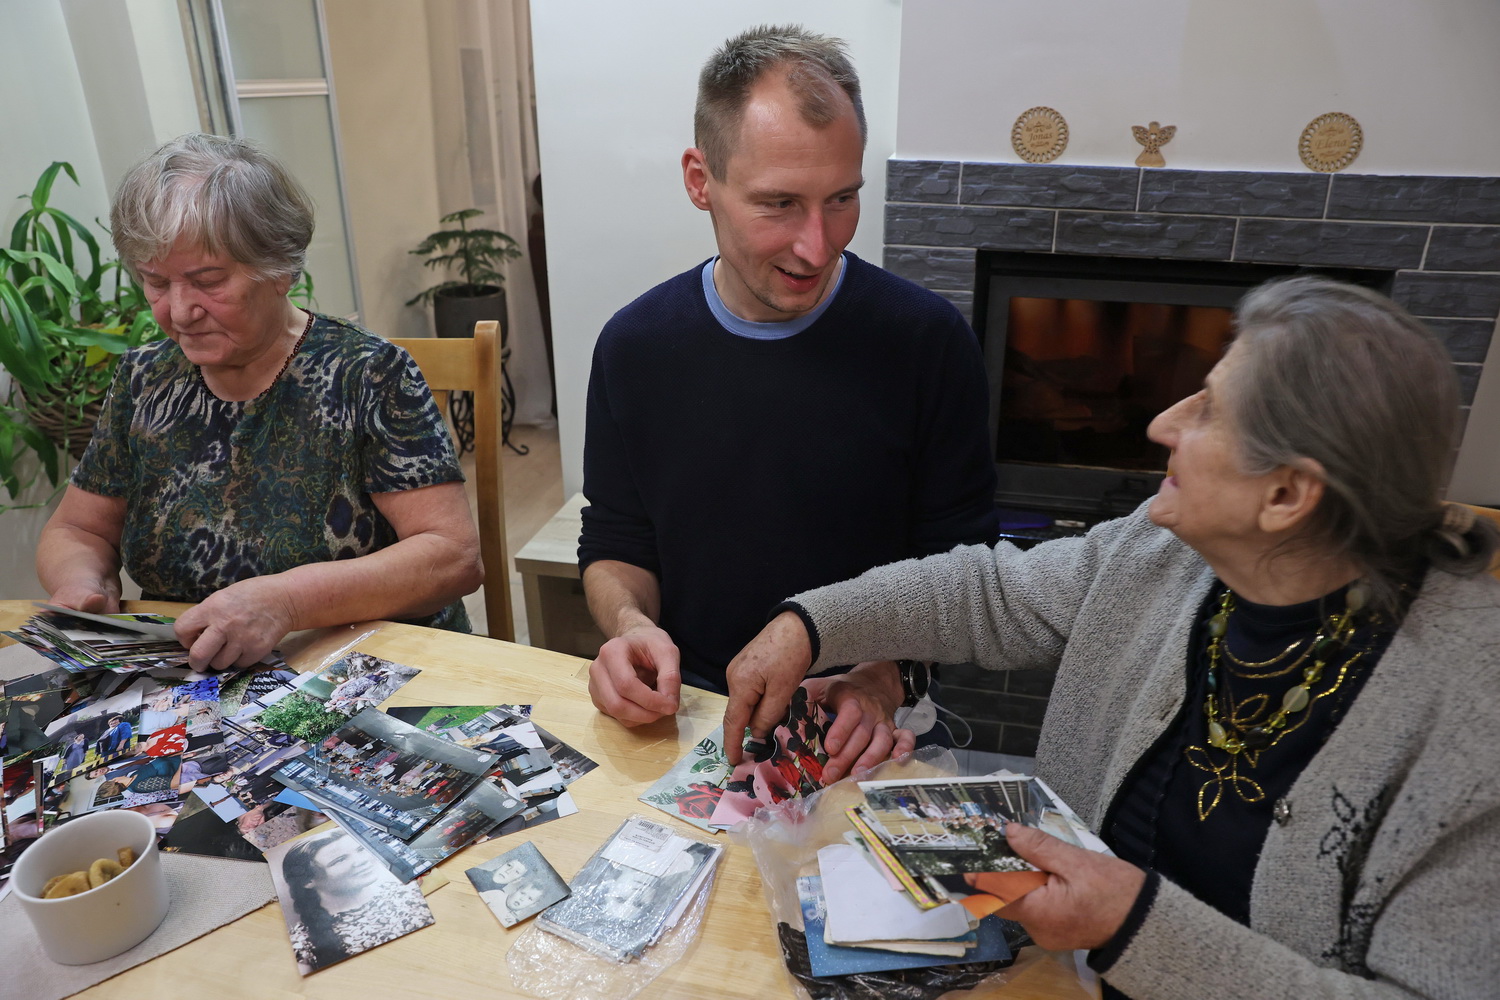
(213, 306)
(342, 867)
(1206, 500)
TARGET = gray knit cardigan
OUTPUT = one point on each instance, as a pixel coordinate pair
(1383, 880)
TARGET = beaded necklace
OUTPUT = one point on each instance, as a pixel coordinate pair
(1238, 732)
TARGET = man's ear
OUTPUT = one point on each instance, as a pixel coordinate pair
(1292, 493)
(695, 177)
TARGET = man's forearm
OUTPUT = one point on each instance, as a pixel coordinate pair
(621, 596)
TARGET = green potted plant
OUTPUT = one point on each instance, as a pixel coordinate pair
(65, 317)
(477, 292)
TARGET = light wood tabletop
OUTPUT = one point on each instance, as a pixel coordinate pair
(463, 953)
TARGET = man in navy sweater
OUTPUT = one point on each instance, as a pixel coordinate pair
(781, 416)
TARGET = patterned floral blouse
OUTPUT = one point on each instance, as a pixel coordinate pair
(217, 492)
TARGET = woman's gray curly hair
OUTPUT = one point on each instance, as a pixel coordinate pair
(218, 194)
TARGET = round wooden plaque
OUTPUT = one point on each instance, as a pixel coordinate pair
(1330, 142)
(1040, 135)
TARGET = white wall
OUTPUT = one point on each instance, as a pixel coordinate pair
(384, 89)
(96, 83)
(1239, 80)
(615, 86)
(50, 122)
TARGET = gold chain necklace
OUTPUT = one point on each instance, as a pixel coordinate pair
(1242, 731)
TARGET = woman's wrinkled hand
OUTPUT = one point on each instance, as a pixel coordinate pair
(863, 702)
(237, 626)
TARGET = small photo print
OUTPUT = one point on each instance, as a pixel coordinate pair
(339, 900)
(355, 683)
(518, 884)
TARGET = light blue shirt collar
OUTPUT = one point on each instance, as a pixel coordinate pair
(765, 331)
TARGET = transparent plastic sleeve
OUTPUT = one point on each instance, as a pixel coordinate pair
(636, 906)
(785, 839)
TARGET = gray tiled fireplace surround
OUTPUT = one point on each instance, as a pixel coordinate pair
(1440, 235)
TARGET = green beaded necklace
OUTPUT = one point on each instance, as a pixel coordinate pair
(1333, 636)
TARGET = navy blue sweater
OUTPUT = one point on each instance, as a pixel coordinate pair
(740, 471)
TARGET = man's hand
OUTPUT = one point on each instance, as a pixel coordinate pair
(637, 676)
(96, 597)
(864, 732)
(238, 625)
(1087, 896)
(761, 681)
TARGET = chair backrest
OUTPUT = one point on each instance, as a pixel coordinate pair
(461, 364)
(1493, 515)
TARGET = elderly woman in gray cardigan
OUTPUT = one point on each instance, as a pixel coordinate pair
(1276, 691)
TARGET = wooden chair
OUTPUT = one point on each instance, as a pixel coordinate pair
(1493, 515)
(461, 364)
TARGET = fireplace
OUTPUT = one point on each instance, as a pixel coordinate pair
(1431, 243)
(1082, 351)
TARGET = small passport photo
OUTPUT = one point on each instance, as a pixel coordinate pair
(517, 884)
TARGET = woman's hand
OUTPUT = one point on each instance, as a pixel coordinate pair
(864, 702)
(1087, 897)
(97, 597)
(238, 625)
(761, 681)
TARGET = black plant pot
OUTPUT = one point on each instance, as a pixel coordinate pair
(454, 313)
(456, 310)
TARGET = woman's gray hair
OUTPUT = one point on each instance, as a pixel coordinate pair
(817, 69)
(1343, 376)
(220, 194)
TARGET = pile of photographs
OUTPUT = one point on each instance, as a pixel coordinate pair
(416, 785)
(702, 789)
(921, 879)
(79, 641)
(633, 890)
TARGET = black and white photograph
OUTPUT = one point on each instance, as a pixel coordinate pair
(339, 900)
(632, 890)
(517, 884)
(386, 772)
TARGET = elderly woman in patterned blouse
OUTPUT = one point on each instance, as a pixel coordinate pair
(280, 469)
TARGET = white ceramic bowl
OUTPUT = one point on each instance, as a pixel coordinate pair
(103, 922)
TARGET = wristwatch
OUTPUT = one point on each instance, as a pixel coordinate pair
(916, 678)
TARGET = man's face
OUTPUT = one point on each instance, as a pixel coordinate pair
(786, 207)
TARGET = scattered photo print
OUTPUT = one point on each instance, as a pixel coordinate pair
(518, 884)
(470, 819)
(339, 900)
(387, 773)
(199, 830)
(102, 731)
(356, 682)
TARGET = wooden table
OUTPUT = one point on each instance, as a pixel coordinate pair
(463, 954)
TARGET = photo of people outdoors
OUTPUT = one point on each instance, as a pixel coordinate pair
(96, 734)
(386, 772)
(339, 900)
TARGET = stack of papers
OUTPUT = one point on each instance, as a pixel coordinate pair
(80, 641)
(924, 872)
(634, 889)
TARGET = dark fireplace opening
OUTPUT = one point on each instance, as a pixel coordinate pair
(1082, 352)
